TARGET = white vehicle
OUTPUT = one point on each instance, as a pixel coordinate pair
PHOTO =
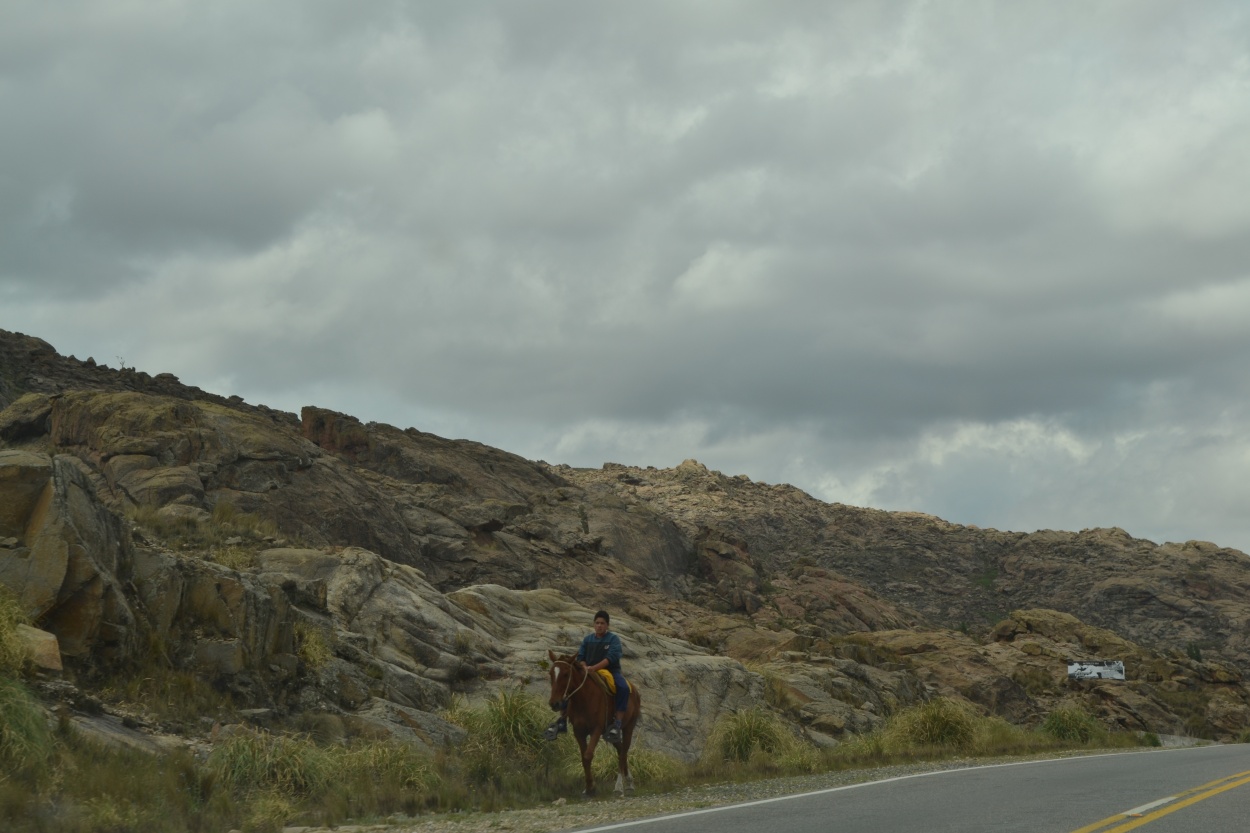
(1103, 669)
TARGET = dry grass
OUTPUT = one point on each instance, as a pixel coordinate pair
(169, 695)
(941, 722)
(739, 735)
(13, 654)
(289, 765)
(313, 644)
(262, 781)
(229, 537)
(1074, 725)
(25, 741)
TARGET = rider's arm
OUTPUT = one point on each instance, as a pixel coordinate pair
(613, 657)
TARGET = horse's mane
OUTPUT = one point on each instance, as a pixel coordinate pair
(571, 659)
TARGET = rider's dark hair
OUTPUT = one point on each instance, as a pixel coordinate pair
(603, 614)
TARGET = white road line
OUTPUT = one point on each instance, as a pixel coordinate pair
(1137, 811)
(725, 807)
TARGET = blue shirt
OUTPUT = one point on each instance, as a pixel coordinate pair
(594, 650)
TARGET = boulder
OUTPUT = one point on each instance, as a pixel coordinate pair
(65, 571)
(41, 647)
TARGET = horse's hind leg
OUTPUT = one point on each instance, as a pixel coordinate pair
(624, 781)
(626, 742)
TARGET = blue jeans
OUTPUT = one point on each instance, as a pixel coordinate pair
(622, 692)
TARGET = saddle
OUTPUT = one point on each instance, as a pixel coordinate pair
(607, 683)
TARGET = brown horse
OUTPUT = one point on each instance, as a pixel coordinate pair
(590, 710)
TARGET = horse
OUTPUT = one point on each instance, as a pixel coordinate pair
(590, 710)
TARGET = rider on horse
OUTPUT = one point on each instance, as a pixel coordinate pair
(601, 649)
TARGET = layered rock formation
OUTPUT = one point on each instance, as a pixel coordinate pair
(142, 521)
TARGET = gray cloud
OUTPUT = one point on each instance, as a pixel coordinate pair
(988, 263)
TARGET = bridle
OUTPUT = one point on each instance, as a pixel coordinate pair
(567, 693)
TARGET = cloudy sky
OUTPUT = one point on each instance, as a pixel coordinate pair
(989, 261)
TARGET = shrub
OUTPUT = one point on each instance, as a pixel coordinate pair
(940, 722)
(739, 735)
(1072, 724)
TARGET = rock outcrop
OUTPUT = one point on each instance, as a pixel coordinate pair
(317, 565)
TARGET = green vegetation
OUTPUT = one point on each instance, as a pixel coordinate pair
(52, 778)
(173, 696)
(25, 740)
(742, 734)
(504, 758)
(313, 645)
(1074, 725)
(937, 723)
(986, 579)
(12, 651)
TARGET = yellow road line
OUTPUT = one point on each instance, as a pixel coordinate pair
(1195, 795)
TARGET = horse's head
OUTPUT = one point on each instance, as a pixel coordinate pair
(566, 675)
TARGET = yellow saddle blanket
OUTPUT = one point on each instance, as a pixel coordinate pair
(605, 680)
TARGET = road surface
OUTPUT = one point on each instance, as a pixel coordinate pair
(1193, 790)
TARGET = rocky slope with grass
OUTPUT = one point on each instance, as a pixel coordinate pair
(188, 560)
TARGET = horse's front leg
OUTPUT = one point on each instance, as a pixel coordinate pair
(587, 746)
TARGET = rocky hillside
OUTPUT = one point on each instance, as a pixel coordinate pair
(314, 570)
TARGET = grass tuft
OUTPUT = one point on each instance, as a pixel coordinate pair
(282, 764)
(26, 742)
(312, 645)
(268, 812)
(505, 752)
(215, 537)
(13, 653)
(740, 735)
(941, 722)
(1074, 725)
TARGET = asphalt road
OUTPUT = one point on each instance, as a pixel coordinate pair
(1193, 790)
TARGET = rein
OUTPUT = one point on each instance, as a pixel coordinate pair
(568, 694)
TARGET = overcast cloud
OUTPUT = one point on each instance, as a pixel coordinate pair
(989, 261)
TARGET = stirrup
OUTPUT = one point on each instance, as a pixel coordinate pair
(613, 734)
(553, 731)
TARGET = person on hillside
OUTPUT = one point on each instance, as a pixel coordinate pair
(601, 649)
